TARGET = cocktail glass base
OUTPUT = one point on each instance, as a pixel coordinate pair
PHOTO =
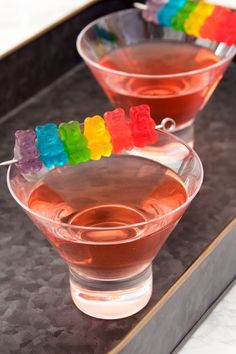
(111, 299)
(186, 134)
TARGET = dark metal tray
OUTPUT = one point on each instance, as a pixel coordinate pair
(192, 269)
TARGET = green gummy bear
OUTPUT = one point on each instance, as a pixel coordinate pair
(177, 22)
(75, 143)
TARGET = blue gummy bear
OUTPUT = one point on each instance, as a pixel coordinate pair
(50, 146)
(168, 11)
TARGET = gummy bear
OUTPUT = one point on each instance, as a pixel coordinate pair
(230, 33)
(168, 11)
(197, 18)
(51, 148)
(226, 31)
(182, 15)
(142, 126)
(75, 143)
(26, 152)
(153, 6)
(119, 130)
(99, 139)
(209, 28)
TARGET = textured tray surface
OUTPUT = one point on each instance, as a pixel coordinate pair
(37, 312)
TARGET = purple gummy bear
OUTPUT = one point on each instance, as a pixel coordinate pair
(153, 6)
(26, 152)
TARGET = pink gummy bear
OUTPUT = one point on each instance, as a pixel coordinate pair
(119, 130)
(142, 126)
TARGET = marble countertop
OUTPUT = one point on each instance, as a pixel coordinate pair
(36, 309)
(22, 20)
(217, 333)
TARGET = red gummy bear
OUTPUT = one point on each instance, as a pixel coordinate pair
(119, 130)
(210, 27)
(142, 126)
(230, 31)
(225, 28)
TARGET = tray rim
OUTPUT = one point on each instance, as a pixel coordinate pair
(178, 283)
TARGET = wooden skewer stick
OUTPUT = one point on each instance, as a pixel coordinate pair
(9, 162)
(140, 6)
(167, 124)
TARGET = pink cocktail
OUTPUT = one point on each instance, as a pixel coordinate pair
(138, 62)
(108, 219)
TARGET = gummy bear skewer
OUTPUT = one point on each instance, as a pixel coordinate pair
(230, 4)
(211, 19)
(76, 146)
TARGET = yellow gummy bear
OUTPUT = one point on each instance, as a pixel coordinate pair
(99, 139)
(194, 22)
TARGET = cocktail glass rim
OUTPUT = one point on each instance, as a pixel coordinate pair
(143, 223)
(95, 64)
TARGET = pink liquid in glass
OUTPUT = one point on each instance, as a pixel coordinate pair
(179, 97)
(114, 192)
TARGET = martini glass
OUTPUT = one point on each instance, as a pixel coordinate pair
(108, 219)
(138, 62)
